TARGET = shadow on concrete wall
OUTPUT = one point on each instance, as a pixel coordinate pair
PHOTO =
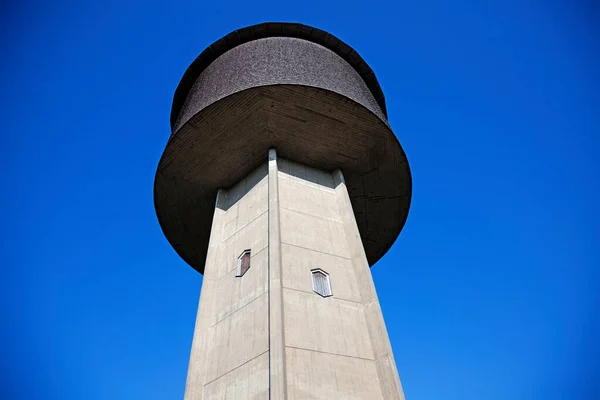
(287, 168)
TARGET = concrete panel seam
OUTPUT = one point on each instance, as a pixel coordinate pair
(332, 297)
(241, 308)
(333, 354)
(312, 215)
(316, 251)
(247, 224)
(239, 366)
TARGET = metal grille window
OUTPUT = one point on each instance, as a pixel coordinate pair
(243, 263)
(321, 283)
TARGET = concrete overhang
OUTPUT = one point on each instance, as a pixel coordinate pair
(290, 87)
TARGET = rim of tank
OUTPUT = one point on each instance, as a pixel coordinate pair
(200, 266)
(274, 29)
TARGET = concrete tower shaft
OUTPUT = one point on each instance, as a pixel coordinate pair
(282, 182)
(269, 333)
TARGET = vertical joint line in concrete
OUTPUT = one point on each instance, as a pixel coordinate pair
(277, 372)
(269, 177)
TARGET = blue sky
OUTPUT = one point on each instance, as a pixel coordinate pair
(491, 290)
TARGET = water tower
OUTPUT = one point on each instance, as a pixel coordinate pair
(283, 183)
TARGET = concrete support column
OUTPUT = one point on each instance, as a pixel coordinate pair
(384, 358)
(194, 385)
(277, 363)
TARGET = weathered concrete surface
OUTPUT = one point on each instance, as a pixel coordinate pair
(267, 334)
(384, 358)
(325, 376)
(229, 357)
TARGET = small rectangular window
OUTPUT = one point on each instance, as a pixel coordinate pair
(243, 262)
(321, 283)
